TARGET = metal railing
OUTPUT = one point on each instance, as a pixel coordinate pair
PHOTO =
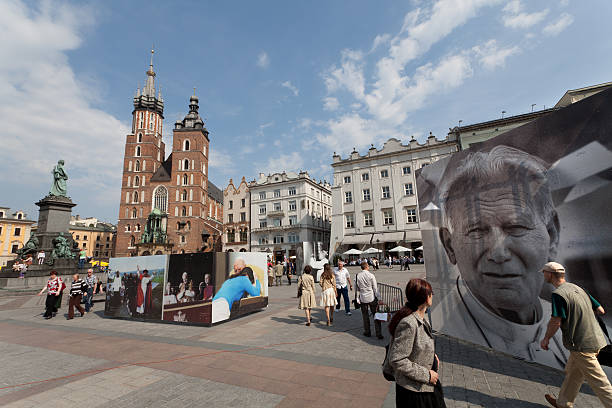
(390, 296)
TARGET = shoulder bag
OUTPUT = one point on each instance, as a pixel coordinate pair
(605, 354)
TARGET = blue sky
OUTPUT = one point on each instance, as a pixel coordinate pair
(282, 85)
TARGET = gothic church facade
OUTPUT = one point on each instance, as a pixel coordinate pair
(167, 205)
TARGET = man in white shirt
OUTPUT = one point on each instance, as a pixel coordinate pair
(367, 296)
(343, 278)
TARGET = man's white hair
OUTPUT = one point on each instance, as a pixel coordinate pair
(499, 167)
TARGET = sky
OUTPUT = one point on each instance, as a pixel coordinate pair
(282, 85)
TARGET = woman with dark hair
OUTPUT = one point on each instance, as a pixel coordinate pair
(54, 286)
(306, 288)
(329, 293)
(411, 352)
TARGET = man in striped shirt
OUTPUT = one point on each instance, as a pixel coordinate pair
(76, 292)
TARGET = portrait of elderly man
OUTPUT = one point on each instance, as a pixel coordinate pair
(499, 227)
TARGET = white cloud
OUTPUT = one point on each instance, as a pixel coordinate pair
(283, 162)
(263, 61)
(397, 89)
(555, 28)
(291, 87)
(330, 103)
(50, 114)
(260, 129)
(491, 56)
(379, 40)
(515, 17)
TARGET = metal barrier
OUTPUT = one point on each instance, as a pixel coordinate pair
(390, 296)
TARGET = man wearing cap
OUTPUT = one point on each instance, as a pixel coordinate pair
(572, 311)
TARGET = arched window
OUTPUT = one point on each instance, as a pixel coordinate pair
(128, 228)
(231, 235)
(135, 198)
(132, 241)
(137, 166)
(137, 229)
(140, 138)
(161, 198)
(184, 211)
(134, 213)
(184, 195)
(137, 151)
(136, 181)
(188, 225)
(185, 179)
(186, 145)
(186, 164)
(183, 240)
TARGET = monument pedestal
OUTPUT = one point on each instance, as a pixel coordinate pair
(53, 218)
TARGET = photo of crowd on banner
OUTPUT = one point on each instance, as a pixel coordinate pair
(134, 287)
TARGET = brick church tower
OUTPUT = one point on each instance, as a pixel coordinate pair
(167, 205)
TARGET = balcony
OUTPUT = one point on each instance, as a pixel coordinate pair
(279, 213)
(276, 228)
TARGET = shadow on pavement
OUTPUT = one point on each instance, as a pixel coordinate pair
(481, 399)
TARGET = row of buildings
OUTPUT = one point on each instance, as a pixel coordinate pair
(169, 205)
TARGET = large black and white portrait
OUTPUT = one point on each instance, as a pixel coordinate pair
(494, 214)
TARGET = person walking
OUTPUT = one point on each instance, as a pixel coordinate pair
(573, 310)
(91, 281)
(289, 271)
(329, 293)
(367, 296)
(53, 287)
(343, 281)
(278, 273)
(270, 273)
(390, 262)
(411, 355)
(77, 288)
(306, 289)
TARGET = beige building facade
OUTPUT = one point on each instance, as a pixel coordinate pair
(97, 238)
(15, 229)
(236, 217)
(374, 195)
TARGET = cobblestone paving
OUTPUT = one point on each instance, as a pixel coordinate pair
(267, 359)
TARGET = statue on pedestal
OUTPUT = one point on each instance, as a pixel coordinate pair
(61, 249)
(59, 187)
(30, 247)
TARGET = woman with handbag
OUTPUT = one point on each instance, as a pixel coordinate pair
(411, 353)
(306, 292)
(329, 293)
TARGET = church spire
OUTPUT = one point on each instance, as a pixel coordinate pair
(150, 85)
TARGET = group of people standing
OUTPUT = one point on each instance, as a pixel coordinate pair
(335, 285)
(276, 272)
(80, 290)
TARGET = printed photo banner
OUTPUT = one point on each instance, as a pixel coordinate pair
(200, 288)
(493, 215)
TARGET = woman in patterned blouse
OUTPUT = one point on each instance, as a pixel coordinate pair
(54, 287)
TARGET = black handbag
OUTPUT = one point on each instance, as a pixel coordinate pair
(605, 354)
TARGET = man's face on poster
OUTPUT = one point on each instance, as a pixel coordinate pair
(500, 239)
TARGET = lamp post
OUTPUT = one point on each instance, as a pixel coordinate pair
(503, 113)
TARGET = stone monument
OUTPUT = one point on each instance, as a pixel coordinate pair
(52, 236)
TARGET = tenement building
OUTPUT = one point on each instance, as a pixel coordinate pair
(167, 205)
(236, 217)
(288, 209)
(374, 195)
(94, 236)
(15, 230)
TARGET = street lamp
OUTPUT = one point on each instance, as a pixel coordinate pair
(532, 105)
(503, 114)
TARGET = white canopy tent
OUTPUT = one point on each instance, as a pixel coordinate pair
(353, 251)
(372, 251)
(400, 249)
(420, 248)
